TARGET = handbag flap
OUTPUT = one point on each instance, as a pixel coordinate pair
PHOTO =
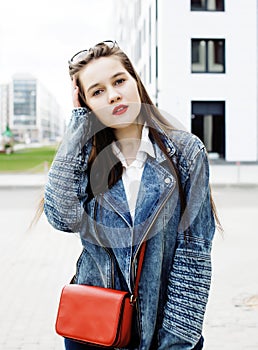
(90, 314)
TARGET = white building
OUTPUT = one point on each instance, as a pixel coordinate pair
(198, 59)
(34, 114)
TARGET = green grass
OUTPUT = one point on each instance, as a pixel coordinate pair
(31, 160)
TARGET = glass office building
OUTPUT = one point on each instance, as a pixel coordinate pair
(24, 102)
(34, 113)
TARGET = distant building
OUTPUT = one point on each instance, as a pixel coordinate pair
(34, 114)
(198, 60)
(4, 107)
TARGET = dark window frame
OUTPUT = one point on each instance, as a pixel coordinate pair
(205, 8)
(217, 109)
(207, 70)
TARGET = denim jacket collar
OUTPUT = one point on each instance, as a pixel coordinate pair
(156, 185)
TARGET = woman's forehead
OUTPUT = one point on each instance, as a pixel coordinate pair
(101, 69)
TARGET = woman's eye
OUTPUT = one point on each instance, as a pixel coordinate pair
(119, 81)
(97, 92)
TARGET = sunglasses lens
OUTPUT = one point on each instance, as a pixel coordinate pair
(79, 56)
(109, 43)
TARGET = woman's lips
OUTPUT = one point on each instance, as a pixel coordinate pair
(118, 110)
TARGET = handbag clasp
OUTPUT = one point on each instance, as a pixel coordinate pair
(133, 299)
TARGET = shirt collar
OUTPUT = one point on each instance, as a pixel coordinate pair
(145, 148)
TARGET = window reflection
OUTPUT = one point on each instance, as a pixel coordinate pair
(215, 56)
(207, 5)
(208, 55)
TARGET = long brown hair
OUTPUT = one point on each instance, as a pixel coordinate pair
(102, 139)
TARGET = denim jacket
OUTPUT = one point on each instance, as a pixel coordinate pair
(176, 273)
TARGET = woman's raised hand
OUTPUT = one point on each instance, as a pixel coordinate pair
(75, 94)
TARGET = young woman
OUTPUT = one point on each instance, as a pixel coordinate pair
(121, 176)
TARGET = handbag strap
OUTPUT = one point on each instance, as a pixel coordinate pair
(138, 273)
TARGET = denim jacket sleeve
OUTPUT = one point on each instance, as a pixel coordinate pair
(190, 276)
(67, 178)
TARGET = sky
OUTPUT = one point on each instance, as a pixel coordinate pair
(39, 36)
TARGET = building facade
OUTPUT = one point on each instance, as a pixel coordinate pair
(34, 114)
(198, 60)
(4, 107)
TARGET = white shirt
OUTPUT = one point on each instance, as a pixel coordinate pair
(132, 173)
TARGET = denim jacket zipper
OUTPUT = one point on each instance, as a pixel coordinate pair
(135, 256)
(149, 228)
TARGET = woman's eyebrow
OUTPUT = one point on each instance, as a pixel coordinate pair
(96, 84)
(115, 75)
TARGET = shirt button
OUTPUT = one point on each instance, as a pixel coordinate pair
(168, 149)
(167, 180)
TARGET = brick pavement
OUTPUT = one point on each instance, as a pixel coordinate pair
(34, 266)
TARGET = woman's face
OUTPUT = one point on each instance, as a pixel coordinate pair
(111, 92)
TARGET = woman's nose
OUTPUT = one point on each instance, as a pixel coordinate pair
(113, 95)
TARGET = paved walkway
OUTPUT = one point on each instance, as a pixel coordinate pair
(22, 180)
(35, 264)
(232, 314)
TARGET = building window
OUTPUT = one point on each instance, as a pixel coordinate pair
(207, 5)
(208, 123)
(24, 102)
(208, 56)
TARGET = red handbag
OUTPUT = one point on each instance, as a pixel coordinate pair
(96, 315)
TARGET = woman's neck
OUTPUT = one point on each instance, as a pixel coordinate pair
(129, 139)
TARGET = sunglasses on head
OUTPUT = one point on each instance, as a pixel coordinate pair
(79, 56)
